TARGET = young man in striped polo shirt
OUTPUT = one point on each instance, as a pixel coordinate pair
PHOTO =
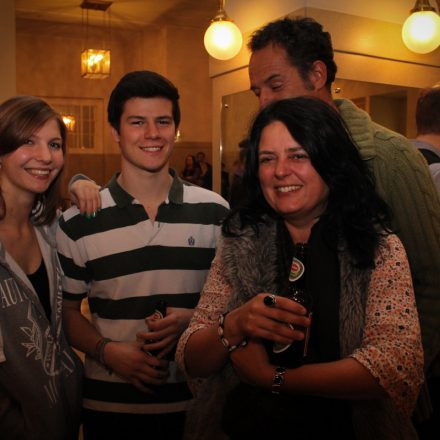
(153, 239)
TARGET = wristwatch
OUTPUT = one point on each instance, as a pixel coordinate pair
(278, 380)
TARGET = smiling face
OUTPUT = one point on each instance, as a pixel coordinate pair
(273, 77)
(32, 167)
(289, 182)
(146, 134)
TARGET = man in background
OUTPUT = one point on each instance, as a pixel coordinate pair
(206, 170)
(428, 129)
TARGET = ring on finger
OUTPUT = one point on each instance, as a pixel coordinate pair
(270, 300)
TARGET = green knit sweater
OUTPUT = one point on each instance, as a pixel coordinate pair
(403, 180)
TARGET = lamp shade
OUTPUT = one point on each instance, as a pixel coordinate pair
(223, 39)
(421, 31)
(95, 63)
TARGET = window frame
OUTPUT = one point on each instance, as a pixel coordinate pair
(98, 103)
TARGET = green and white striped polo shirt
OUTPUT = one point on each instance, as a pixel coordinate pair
(124, 264)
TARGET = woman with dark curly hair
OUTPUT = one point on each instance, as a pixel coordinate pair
(364, 364)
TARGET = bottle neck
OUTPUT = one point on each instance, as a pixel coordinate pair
(297, 268)
(301, 251)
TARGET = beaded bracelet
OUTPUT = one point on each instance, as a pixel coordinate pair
(99, 352)
(221, 333)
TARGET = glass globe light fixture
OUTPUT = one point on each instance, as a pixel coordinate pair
(421, 30)
(223, 38)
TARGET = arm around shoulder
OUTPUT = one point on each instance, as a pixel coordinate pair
(84, 193)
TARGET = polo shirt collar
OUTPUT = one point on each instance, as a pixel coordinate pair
(119, 195)
(176, 191)
(122, 198)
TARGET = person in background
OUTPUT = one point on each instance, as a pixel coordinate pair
(428, 143)
(364, 365)
(40, 375)
(191, 172)
(206, 170)
(237, 193)
(428, 130)
(225, 182)
(153, 239)
(294, 57)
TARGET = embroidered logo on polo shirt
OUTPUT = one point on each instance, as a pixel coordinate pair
(191, 241)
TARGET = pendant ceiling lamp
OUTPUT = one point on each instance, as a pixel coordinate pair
(95, 62)
(421, 30)
(223, 38)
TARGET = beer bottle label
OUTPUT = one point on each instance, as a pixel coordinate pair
(296, 270)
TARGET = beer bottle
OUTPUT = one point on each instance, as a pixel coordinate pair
(293, 355)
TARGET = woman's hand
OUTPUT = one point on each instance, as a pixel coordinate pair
(255, 319)
(252, 365)
(85, 195)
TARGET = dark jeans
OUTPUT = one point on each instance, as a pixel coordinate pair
(107, 425)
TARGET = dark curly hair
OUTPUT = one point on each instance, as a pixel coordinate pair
(355, 214)
(304, 41)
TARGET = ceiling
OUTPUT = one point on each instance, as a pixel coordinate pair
(124, 13)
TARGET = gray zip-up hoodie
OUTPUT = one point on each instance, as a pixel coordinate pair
(40, 375)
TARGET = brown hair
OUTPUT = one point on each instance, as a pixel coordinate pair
(428, 111)
(20, 118)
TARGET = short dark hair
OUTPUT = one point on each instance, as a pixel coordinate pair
(354, 210)
(20, 118)
(304, 41)
(141, 84)
(428, 111)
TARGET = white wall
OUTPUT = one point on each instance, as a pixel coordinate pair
(250, 14)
